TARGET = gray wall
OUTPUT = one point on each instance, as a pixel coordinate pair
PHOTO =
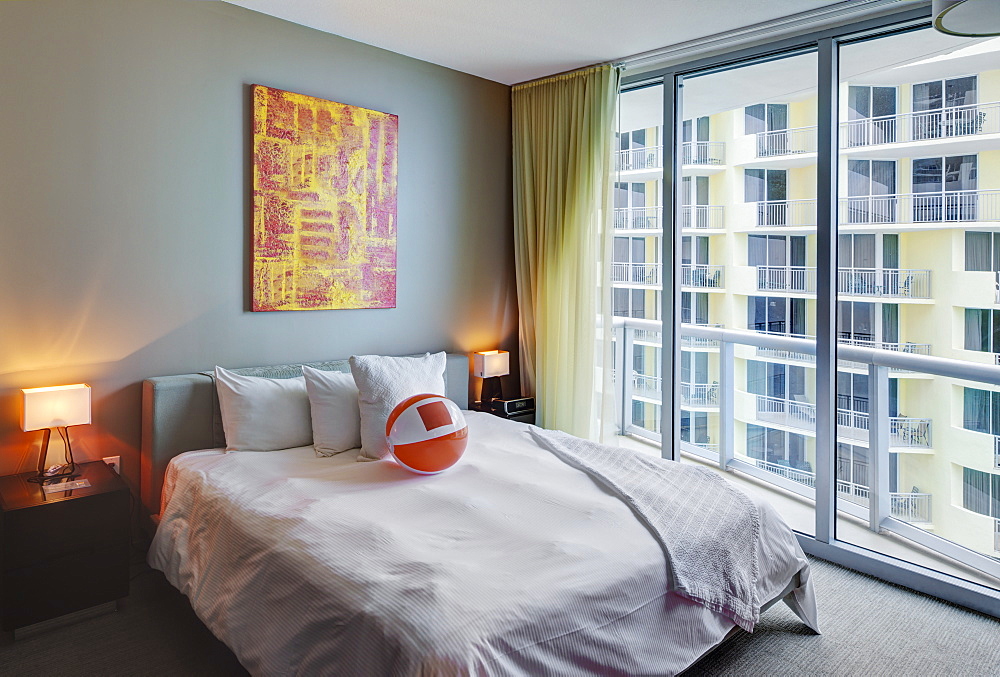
(124, 207)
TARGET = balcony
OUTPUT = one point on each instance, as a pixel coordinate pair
(784, 213)
(958, 121)
(703, 153)
(637, 159)
(699, 395)
(702, 277)
(921, 209)
(884, 282)
(904, 432)
(786, 142)
(643, 219)
(637, 274)
(781, 411)
(786, 279)
(703, 217)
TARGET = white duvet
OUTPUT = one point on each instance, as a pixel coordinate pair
(510, 563)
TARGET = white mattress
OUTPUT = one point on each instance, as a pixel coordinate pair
(512, 562)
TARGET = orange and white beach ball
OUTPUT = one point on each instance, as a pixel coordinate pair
(427, 433)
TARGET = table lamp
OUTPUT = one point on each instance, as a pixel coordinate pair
(56, 407)
(490, 365)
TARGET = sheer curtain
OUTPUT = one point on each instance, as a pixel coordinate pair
(564, 130)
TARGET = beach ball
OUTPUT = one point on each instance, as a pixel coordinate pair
(427, 433)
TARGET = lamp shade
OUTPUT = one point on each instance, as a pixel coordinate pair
(55, 406)
(490, 363)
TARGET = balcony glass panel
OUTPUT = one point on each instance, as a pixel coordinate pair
(752, 408)
(916, 450)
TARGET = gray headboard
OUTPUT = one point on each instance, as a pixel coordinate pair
(181, 413)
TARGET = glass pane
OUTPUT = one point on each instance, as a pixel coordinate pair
(637, 274)
(920, 465)
(763, 256)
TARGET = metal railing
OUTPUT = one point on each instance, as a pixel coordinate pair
(703, 216)
(639, 218)
(977, 118)
(903, 431)
(688, 341)
(650, 387)
(703, 153)
(645, 274)
(958, 206)
(786, 213)
(866, 495)
(703, 277)
(786, 278)
(783, 411)
(884, 282)
(648, 157)
(700, 394)
(913, 508)
(786, 142)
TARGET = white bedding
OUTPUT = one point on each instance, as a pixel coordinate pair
(512, 562)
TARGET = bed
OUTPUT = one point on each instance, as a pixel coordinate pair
(514, 562)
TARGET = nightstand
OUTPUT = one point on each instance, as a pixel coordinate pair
(65, 551)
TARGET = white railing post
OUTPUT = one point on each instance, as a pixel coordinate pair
(727, 403)
(625, 375)
(878, 446)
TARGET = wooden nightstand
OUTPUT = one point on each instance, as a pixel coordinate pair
(62, 552)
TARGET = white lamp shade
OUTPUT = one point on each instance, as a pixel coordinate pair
(490, 363)
(54, 407)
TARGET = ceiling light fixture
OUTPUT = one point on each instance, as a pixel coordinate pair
(967, 18)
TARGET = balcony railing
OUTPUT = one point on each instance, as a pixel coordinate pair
(903, 432)
(702, 277)
(648, 157)
(866, 494)
(979, 118)
(639, 218)
(786, 213)
(786, 142)
(960, 206)
(786, 278)
(703, 153)
(703, 216)
(912, 508)
(782, 411)
(884, 282)
(650, 387)
(696, 342)
(644, 274)
(699, 394)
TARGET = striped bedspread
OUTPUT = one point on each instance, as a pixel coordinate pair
(513, 562)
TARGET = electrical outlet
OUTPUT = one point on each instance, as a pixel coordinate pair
(115, 462)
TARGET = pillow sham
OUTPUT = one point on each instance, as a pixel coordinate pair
(384, 382)
(333, 404)
(263, 414)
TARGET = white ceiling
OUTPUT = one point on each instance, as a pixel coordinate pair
(513, 41)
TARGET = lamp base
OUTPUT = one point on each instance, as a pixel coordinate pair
(56, 471)
(492, 390)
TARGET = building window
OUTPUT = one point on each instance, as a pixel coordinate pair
(762, 117)
(871, 191)
(982, 330)
(982, 251)
(777, 314)
(944, 188)
(938, 108)
(694, 307)
(981, 492)
(981, 411)
(778, 447)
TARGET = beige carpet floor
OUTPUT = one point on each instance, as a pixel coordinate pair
(869, 628)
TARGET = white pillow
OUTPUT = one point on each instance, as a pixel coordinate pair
(263, 414)
(384, 382)
(333, 401)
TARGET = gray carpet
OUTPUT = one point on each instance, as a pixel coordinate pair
(870, 628)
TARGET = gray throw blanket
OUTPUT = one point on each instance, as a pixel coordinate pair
(709, 529)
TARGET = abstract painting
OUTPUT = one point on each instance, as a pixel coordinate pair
(324, 204)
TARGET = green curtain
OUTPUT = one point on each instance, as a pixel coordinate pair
(563, 131)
